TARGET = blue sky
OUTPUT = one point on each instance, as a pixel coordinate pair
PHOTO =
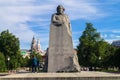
(25, 18)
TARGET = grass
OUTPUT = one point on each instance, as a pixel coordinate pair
(111, 70)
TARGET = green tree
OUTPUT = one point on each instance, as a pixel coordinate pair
(86, 48)
(25, 62)
(2, 62)
(108, 60)
(116, 58)
(105, 51)
(93, 51)
(88, 55)
(9, 46)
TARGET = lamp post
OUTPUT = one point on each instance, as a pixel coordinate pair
(8, 62)
(99, 61)
(99, 58)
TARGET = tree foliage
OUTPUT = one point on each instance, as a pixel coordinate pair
(105, 52)
(86, 52)
(9, 46)
(116, 58)
(93, 51)
(2, 62)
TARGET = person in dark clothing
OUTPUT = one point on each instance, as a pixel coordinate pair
(38, 63)
(34, 64)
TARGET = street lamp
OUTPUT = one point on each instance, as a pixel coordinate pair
(99, 61)
(8, 62)
(99, 58)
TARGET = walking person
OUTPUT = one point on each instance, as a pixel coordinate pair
(34, 64)
(38, 64)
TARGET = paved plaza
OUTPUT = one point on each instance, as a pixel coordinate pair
(81, 74)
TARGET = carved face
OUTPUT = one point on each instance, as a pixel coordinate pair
(60, 10)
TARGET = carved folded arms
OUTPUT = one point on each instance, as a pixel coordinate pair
(59, 20)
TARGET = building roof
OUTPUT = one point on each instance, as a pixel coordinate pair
(116, 43)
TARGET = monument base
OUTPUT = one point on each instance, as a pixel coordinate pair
(84, 75)
(66, 78)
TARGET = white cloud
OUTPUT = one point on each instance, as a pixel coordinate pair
(81, 9)
(15, 14)
(75, 43)
(77, 33)
(118, 36)
(111, 40)
(116, 31)
(114, 36)
(110, 37)
(106, 30)
(104, 35)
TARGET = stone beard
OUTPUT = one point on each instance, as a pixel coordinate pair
(61, 57)
(61, 19)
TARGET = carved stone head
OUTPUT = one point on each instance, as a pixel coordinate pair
(60, 9)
